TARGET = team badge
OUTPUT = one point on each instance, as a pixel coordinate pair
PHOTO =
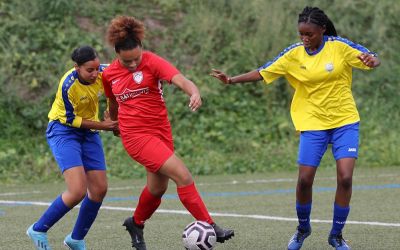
(138, 77)
(329, 67)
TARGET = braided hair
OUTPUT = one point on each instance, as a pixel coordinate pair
(125, 33)
(317, 16)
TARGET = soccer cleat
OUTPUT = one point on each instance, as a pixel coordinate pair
(298, 238)
(74, 244)
(38, 238)
(338, 242)
(222, 234)
(136, 233)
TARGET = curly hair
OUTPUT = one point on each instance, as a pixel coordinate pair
(125, 33)
(317, 16)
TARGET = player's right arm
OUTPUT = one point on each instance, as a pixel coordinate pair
(251, 76)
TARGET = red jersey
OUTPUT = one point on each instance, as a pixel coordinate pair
(139, 94)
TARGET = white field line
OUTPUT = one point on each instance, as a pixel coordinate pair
(184, 212)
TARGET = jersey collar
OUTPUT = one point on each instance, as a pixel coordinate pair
(321, 46)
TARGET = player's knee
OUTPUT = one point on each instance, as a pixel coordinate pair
(99, 193)
(158, 191)
(304, 183)
(184, 180)
(103, 192)
(77, 194)
(345, 182)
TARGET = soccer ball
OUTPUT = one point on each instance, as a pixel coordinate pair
(199, 235)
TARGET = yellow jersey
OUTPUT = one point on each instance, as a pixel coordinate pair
(76, 100)
(322, 82)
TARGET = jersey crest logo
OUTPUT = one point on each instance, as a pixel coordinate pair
(138, 77)
(329, 67)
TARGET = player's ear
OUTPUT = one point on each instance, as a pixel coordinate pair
(76, 66)
(323, 29)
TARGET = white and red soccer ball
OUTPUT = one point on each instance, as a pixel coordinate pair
(199, 235)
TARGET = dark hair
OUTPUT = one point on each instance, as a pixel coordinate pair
(83, 54)
(317, 16)
(125, 33)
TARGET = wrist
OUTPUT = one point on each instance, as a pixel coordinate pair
(229, 80)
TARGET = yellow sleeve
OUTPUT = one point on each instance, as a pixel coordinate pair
(352, 51)
(273, 69)
(77, 120)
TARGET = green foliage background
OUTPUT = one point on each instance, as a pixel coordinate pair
(245, 128)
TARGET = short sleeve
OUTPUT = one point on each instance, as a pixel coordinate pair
(274, 69)
(351, 51)
(107, 86)
(163, 69)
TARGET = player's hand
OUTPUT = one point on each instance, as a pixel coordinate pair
(195, 102)
(220, 76)
(369, 60)
(109, 125)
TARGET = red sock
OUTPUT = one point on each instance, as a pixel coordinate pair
(192, 201)
(148, 203)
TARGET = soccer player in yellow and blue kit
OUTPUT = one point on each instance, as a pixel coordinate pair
(323, 110)
(74, 140)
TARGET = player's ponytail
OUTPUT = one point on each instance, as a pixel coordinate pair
(125, 33)
(83, 54)
(317, 16)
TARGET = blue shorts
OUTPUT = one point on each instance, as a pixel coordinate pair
(74, 147)
(313, 144)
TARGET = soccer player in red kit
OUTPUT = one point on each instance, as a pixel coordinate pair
(133, 84)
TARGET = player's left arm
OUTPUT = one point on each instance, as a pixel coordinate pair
(190, 89)
(358, 56)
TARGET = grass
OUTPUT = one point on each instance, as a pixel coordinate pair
(234, 201)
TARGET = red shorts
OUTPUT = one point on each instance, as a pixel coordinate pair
(149, 150)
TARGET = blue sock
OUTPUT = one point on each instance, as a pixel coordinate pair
(55, 212)
(303, 214)
(86, 217)
(339, 218)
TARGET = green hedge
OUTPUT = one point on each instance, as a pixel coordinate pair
(244, 128)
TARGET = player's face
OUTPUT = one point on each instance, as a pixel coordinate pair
(311, 35)
(89, 71)
(130, 59)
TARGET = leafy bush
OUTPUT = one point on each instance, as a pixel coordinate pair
(244, 128)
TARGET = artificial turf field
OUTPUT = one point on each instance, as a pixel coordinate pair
(260, 207)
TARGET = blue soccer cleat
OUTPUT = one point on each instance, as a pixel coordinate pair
(74, 244)
(38, 238)
(298, 238)
(338, 242)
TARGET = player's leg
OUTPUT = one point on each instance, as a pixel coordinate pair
(150, 198)
(97, 189)
(303, 206)
(175, 169)
(66, 150)
(76, 189)
(345, 150)
(341, 207)
(96, 179)
(312, 146)
(149, 201)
